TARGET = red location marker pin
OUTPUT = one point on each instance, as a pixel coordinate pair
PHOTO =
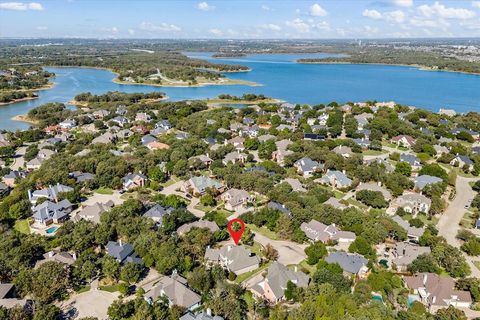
(236, 227)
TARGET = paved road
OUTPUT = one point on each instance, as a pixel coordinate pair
(288, 252)
(449, 223)
(18, 161)
(93, 303)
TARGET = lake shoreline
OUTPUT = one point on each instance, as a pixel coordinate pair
(84, 104)
(117, 81)
(18, 100)
(24, 118)
(417, 66)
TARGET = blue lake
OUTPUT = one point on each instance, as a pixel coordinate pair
(282, 78)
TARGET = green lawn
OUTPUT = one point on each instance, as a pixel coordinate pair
(264, 231)
(373, 152)
(305, 265)
(103, 190)
(477, 264)
(84, 289)
(22, 226)
(248, 275)
(111, 288)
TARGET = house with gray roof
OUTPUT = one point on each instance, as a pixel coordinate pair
(201, 224)
(425, 180)
(404, 253)
(134, 180)
(296, 185)
(411, 202)
(234, 157)
(413, 233)
(343, 151)
(278, 206)
(412, 160)
(94, 212)
(200, 316)
(272, 286)
(461, 161)
(199, 185)
(65, 258)
(317, 231)
(81, 177)
(52, 212)
(307, 167)
(364, 143)
(175, 289)
(236, 259)
(374, 186)
(332, 201)
(351, 263)
(157, 213)
(235, 199)
(336, 179)
(122, 252)
(9, 298)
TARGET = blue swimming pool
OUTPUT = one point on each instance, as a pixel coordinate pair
(377, 297)
(52, 230)
(411, 299)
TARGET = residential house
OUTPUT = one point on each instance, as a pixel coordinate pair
(296, 185)
(68, 124)
(404, 253)
(157, 213)
(362, 119)
(272, 287)
(94, 212)
(411, 202)
(200, 316)
(199, 185)
(100, 114)
(437, 292)
(52, 212)
(122, 252)
(155, 145)
(372, 186)
(237, 142)
(473, 133)
(281, 152)
(278, 206)
(120, 120)
(180, 135)
(201, 224)
(412, 160)
(307, 167)
(134, 180)
(4, 189)
(65, 258)
(43, 154)
(425, 180)
(462, 161)
(236, 259)
(364, 143)
(403, 141)
(413, 233)
(10, 178)
(51, 193)
(143, 116)
(440, 149)
(336, 179)
(175, 289)
(332, 201)
(313, 136)
(106, 138)
(235, 157)
(81, 177)
(317, 231)
(9, 298)
(343, 151)
(235, 199)
(205, 160)
(265, 138)
(351, 263)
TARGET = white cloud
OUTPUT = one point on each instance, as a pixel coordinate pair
(476, 4)
(205, 6)
(131, 32)
(266, 8)
(397, 16)
(148, 26)
(298, 25)
(439, 10)
(20, 6)
(317, 11)
(372, 14)
(216, 32)
(111, 30)
(271, 26)
(440, 23)
(402, 3)
(324, 25)
(41, 28)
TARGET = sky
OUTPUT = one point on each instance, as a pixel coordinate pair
(248, 19)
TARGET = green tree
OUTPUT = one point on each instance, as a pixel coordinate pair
(403, 168)
(315, 252)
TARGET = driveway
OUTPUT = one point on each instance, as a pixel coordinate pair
(172, 189)
(288, 252)
(19, 161)
(93, 303)
(449, 223)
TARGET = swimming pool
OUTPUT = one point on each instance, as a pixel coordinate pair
(377, 297)
(51, 230)
(411, 299)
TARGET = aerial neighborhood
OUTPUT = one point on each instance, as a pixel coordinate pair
(123, 205)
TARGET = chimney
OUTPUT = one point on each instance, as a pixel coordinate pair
(120, 242)
(209, 311)
(425, 279)
(379, 183)
(344, 172)
(296, 269)
(50, 254)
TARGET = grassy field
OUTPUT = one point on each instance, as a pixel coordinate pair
(111, 288)
(84, 289)
(248, 275)
(263, 231)
(106, 191)
(373, 152)
(22, 226)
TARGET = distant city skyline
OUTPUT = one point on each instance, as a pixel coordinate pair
(320, 19)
